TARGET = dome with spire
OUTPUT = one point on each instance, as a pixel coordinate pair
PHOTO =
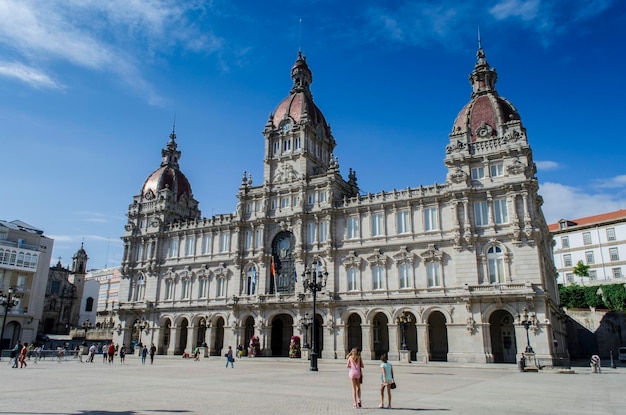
(487, 114)
(299, 105)
(168, 176)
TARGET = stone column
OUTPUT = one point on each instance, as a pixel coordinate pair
(171, 347)
(366, 332)
(395, 341)
(422, 342)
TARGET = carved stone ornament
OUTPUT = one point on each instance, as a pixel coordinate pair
(517, 167)
(455, 147)
(286, 173)
(377, 258)
(149, 195)
(458, 176)
(404, 256)
(484, 131)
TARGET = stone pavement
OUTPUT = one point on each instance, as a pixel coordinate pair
(282, 386)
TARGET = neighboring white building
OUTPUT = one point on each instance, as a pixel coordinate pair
(24, 263)
(598, 241)
(101, 305)
(467, 260)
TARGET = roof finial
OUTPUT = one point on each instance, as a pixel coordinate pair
(300, 37)
(480, 42)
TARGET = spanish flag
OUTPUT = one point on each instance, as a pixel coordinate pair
(272, 268)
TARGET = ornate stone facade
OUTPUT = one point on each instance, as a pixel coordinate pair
(459, 261)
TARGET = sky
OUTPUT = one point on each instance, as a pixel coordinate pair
(90, 91)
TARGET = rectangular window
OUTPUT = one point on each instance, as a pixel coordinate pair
(286, 145)
(402, 221)
(567, 260)
(352, 279)
(221, 287)
(478, 173)
(185, 289)
(273, 204)
(617, 273)
(296, 201)
(610, 234)
(501, 212)
(433, 274)
(481, 213)
(284, 202)
(323, 231)
(310, 198)
(249, 207)
(310, 235)
(353, 227)
(593, 275)
(497, 170)
(564, 241)
(139, 253)
(169, 290)
(570, 277)
(247, 245)
(613, 253)
(495, 265)
(377, 278)
(174, 248)
(202, 284)
(207, 241)
(404, 272)
(587, 238)
(190, 243)
(589, 256)
(431, 222)
(377, 224)
(276, 147)
(258, 238)
(297, 143)
(322, 197)
(224, 242)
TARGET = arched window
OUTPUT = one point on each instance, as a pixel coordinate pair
(89, 304)
(495, 265)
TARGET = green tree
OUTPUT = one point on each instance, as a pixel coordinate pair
(581, 269)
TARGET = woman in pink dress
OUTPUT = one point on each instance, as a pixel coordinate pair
(355, 364)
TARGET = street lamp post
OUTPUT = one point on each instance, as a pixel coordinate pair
(527, 321)
(142, 325)
(305, 322)
(8, 301)
(314, 281)
(403, 321)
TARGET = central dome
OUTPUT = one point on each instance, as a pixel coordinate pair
(299, 105)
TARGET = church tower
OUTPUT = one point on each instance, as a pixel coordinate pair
(77, 279)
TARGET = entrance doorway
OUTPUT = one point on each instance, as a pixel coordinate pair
(282, 330)
(437, 337)
(380, 335)
(355, 335)
(182, 336)
(502, 333)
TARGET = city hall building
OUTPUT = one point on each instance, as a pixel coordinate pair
(460, 271)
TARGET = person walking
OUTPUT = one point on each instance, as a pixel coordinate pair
(111, 352)
(92, 353)
(122, 354)
(22, 356)
(229, 357)
(152, 353)
(355, 364)
(386, 378)
(144, 353)
(15, 354)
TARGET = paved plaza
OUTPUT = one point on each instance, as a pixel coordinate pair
(282, 386)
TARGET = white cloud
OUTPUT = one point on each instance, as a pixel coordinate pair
(30, 76)
(547, 165)
(114, 36)
(524, 9)
(612, 183)
(568, 202)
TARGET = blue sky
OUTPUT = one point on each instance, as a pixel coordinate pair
(90, 89)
